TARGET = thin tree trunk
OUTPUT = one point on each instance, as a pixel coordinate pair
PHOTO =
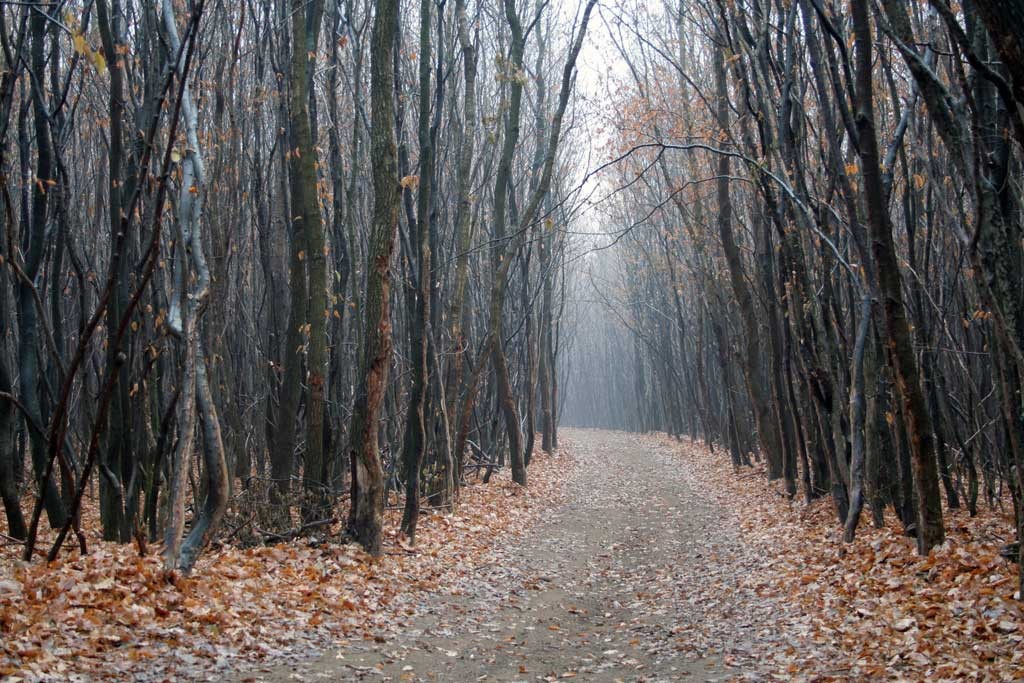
(767, 428)
(366, 517)
(305, 27)
(188, 304)
(416, 433)
(930, 531)
(857, 410)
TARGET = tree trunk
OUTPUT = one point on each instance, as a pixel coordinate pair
(767, 428)
(188, 304)
(416, 433)
(366, 517)
(305, 193)
(930, 531)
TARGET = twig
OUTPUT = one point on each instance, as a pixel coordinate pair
(241, 526)
(294, 533)
(18, 541)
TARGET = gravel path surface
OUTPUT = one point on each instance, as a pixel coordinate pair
(624, 582)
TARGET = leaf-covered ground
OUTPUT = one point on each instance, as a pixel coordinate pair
(113, 615)
(637, 559)
(599, 590)
(664, 564)
(869, 610)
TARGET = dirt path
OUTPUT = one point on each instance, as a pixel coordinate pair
(612, 586)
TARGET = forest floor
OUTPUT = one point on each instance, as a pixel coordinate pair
(664, 564)
(612, 585)
(628, 558)
(113, 615)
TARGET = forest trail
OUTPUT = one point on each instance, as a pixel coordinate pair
(610, 587)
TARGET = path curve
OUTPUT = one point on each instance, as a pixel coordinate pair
(608, 587)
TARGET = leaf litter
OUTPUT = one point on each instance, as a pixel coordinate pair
(824, 610)
(628, 558)
(113, 615)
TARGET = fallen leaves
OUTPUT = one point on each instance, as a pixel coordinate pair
(706, 564)
(871, 609)
(287, 600)
(903, 625)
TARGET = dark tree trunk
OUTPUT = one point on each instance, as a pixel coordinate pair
(366, 516)
(930, 531)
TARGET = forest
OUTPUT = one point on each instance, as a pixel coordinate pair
(323, 306)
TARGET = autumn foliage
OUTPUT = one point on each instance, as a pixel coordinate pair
(112, 615)
(869, 610)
